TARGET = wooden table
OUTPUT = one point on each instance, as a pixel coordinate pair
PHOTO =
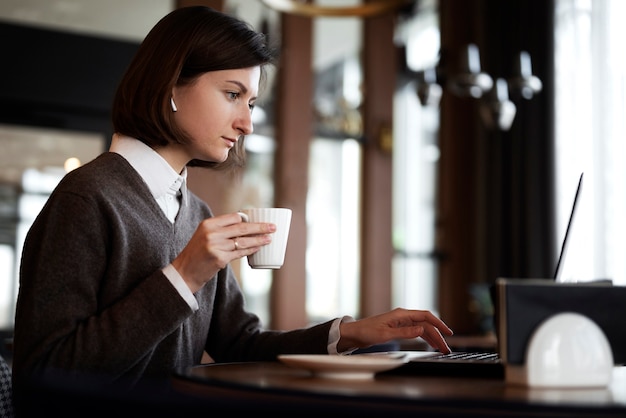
(279, 389)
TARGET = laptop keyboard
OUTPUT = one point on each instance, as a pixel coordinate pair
(485, 364)
(468, 356)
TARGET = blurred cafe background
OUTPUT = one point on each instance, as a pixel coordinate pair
(427, 147)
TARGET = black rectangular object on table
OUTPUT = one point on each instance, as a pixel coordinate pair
(523, 304)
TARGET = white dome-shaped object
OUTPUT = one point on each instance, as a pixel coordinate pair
(568, 350)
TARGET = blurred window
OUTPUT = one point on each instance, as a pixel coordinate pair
(590, 67)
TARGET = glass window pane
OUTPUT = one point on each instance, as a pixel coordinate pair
(332, 227)
(590, 129)
(415, 158)
(32, 162)
(414, 182)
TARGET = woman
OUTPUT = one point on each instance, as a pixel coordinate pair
(125, 273)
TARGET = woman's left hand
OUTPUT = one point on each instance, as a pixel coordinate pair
(396, 324)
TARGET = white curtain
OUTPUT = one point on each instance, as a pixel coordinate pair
(590, 67)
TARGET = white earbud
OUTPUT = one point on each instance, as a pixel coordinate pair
(174, 108)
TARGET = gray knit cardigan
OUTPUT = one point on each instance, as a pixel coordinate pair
(93, 300)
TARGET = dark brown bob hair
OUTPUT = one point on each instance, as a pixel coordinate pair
(183, 45)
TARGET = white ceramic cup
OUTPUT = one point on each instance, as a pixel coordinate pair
(272, 255)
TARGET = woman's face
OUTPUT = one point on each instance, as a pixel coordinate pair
(215, 111)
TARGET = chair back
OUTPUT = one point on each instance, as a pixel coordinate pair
(6, 390)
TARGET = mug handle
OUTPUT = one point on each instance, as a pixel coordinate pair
(244, 217)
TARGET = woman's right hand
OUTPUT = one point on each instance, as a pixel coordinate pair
(215, 243)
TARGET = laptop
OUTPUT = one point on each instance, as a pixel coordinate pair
(480, 363)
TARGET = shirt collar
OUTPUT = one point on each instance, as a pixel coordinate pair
(160, 177)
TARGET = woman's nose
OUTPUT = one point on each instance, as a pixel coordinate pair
(244, 122)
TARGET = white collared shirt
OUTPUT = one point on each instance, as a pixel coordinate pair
(166, 185)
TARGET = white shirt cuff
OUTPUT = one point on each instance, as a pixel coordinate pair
(334, 335)
(179, 284)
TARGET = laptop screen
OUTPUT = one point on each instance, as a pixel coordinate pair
(566, 239)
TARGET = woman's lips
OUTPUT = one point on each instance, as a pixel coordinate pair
(230, 141)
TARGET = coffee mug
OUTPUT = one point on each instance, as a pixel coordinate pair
(272, 255)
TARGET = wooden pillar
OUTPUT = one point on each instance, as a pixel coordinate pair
(294, 131)
(458, 200)
(380, 58)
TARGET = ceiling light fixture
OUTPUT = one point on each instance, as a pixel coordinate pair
(375, 8)
(496, 109)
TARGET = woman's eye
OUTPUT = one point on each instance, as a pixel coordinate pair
(251, 106)
(233, 95)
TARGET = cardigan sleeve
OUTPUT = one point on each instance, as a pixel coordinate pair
(237, 335)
